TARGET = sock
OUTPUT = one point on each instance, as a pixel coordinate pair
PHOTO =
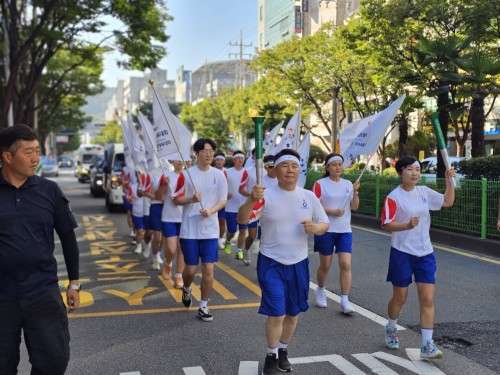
(177, 274)
(344, 298)
(321, 288)
(187, 289)
(392, 322)
(203, 304)
(426, 335)
(239, 250)
(282, 345)
(272, 350)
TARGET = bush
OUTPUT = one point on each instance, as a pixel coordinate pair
(483, 167)
(389, 172)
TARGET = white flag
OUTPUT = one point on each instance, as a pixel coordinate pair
(127, 142)
(184, 143)
(167, 136)
(290, 138)
(364, 136)
(270, 139)
(149, 142)
(304, 148)
(137, 146)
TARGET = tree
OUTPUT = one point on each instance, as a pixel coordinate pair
(111, 133)
(55, 26)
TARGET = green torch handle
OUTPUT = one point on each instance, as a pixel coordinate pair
(258, 121)
(441, 143)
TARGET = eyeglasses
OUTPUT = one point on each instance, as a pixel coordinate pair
(269, 166)
(207, 151)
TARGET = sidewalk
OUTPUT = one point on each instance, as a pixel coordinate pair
(488, 247)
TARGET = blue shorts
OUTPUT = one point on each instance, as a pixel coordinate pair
(127, 204)
(285, 288)
(193, 250)
(402, 266)
(138, 222)
(170, 229)
(325, 243)
(253, 224)
(221, 214)
(155, 216)
(232, 225)
(147, 222)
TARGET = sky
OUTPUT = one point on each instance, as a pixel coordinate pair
(202, 30)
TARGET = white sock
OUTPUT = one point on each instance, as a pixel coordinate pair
(282, 345)
(187, 289)
(321, 288)
(392, 322)
(239, 250)
(426, 335)
(272, 350)
(344, 298)
(203, 304)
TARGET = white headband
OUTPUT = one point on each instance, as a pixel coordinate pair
(238, 156)
(334, 158)
(416, 164)
(286, 158)
(220, 157)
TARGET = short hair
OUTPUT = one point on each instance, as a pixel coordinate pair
(405, 161)
(12, 134)
(268, 158)
(287, 151)
(253, 151)
(200, 144)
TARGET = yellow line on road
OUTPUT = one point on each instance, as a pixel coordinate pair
(440, 247)
(239, 277)
(159, 311)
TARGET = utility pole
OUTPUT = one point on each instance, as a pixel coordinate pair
(336, 90)
(240, 55)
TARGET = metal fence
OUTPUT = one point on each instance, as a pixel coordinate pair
(474, 212)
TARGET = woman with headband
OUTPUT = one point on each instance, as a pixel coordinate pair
(219, 162)
(338, 196)
(406, 215)
(288, 214)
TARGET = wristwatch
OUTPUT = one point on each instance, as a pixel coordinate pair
(77, 287)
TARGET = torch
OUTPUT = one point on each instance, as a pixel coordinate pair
(434, 117)
(258, 121)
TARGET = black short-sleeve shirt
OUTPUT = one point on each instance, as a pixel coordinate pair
(28, 216)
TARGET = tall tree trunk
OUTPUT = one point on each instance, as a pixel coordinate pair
(477, 131)
(403, 136)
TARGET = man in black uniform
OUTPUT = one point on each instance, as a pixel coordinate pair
(31, 208)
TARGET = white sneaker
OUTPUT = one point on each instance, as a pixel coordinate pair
(147, 251)
(155, 265)
(132, 233)
(246, 257)
(138, 249)
(158, 258)
(222, 243)
(346, 308)
(320, 297)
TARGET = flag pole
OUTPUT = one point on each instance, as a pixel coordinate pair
(258, 121)
(151, 82)
(434, 117)
(358, 179)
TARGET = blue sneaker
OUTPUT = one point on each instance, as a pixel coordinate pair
(430, 351)
(391, 338)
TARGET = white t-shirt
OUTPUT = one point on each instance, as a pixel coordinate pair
(138, 203)
(233, 185)
(281, 214)
(213, 188)
(400, 206)
(171, 213)
(155, 175)
(145, 185)
(268, 182)
(333, 194)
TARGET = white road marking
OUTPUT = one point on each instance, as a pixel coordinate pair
(409, 365)
(357, 309)
(374, 364)
(426, 366)
(130, 373)
(338, 361)
(193, 370)
(248, 368)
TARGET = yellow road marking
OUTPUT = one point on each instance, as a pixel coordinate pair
(159, 311)
(239, 277)
(133, 299)
(440, 247)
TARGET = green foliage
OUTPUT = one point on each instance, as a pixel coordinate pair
(483, 167)
(391, 171)
(111, 133)
(424, 139)
(311, 177)
(316, 154)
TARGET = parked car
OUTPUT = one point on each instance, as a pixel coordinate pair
(49, 168)
(97, 176)
(429, 168)
(64, 162)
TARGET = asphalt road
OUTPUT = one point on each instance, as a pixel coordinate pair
(132, 322)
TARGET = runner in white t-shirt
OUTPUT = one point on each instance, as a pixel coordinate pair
(406, 215)
(234, 201)
(219, 162)
(171, 217)
(338, 196)
(202, 190)
(124, 180)
(137, 210)
(288, 214)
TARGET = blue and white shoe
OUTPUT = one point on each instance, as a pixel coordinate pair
(430, 351)
(391, 338)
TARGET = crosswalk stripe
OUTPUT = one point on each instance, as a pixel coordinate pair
(248, 368)
(193, 371)
(423, 365)
(374, 364)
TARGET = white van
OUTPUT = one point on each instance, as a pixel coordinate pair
(429, 168)
(86, 156)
